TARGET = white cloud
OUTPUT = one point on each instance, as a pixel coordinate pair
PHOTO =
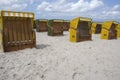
(64, 6)
(96, 9)
(107, 13)
(31, 1)
(15, 4)
(7, 2)
(44, 6)
(116, 7)
(18, 6)
(83, 5)
(67, 9)
(112, 12)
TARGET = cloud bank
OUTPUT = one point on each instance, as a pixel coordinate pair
(65, 9)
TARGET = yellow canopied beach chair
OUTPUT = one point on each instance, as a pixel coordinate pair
(16, 30)
(109, 30)
(80, 29)
(96, 27)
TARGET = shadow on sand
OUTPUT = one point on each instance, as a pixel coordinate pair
(42, 46)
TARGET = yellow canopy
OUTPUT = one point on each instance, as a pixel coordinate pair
(16, 14)
(108, 24)
(74, 22)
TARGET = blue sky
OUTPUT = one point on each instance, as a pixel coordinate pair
(98, 10)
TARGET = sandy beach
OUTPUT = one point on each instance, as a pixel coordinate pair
(56, 58)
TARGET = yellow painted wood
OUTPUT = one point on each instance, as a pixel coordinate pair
(104, 34)
(1, 34)
(118, 30)
(73, 33)
(93, 28)
(106, 29)
(107, 24)
(74, 23)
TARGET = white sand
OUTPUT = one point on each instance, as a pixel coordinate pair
(58, 59)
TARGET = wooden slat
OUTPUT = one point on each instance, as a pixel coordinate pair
(6, 36)
(12, 28)
(26, 31)
(20, 28)
(10, 31)
(27, 27)
(14, 23)
(19, 31)
(23, 30)
(30, 29)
